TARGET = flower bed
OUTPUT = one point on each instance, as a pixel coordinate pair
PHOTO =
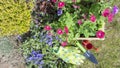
(82, 18)
(57, 26)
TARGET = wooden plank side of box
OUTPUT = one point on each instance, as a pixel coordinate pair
(89, 39)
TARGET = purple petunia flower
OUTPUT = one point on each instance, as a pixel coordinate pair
(115, 10)
(59, 12)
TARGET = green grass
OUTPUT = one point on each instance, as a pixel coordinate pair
(109, 53)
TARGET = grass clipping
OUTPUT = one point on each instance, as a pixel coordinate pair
(14, 17)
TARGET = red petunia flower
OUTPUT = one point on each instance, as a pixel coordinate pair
(106, 12)
(61, 4)
(47, 28)
(64, 43)
(100, 34)
(66, 30)
(110, 17)
(59, 31)
(92, 18)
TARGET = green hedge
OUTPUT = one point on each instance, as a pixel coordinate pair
(14, 16)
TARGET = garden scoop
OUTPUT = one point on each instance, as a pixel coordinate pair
(87, 54)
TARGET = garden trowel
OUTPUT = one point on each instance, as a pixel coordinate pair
(87, 54)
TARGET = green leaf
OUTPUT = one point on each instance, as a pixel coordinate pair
(69, 20)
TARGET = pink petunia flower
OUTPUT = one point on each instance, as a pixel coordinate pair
(100, 34)
(92, 18)
(106, 12)
(47, 28)
(79, 22)
(66, 30)
(64, 43)
(110, 17)
(61, 4)
(59, 31)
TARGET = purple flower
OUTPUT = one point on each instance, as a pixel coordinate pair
(48, 39)
(50, 43)
(42, 62)
(115, 10)
(58, 39)
(36, 58)
(40, 55)
(34, 53)
(30, 59)
(19, 37)
(59, 12)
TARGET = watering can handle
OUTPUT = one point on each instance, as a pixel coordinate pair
(81, 47)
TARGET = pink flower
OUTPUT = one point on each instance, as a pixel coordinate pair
(92, 18)
(54, 1)
(75, 6)
(61, 4)
(106, 12)
(47, 28)
(59, 31)
(100, 34)
(64, 43)
(66, 30)
(110, 17)
(79, 22)
(84, 16)
(73, 0)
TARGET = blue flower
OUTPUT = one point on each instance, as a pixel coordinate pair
(50, 43)
(30, 59)
(48, 39)
(58, 39)
(41, 62)
(59, 12)
(35, 57)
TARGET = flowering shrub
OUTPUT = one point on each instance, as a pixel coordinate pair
(14, 17)
(57, 24)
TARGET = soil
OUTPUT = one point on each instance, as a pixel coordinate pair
(10, 55)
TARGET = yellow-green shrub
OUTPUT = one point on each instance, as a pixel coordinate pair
(14, 16)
